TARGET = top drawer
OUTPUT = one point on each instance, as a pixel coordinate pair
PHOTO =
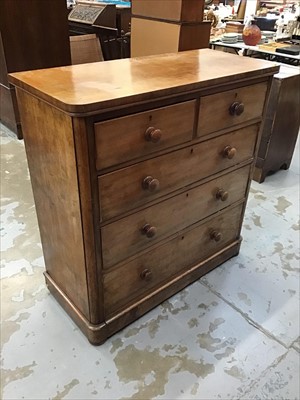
(123, 139)
(226, 109)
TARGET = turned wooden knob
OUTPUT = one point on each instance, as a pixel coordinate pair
(149, 230)
(150, 184)
(222, 195)
(153, 135)
(146, 274)
(236, 108)
(229, 152)
(216, 236)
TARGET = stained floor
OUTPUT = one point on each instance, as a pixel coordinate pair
(234, 334)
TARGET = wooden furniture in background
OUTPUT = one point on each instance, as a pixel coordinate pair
(111, 44)
(140, 174)
(85, 14)
(85, 49)
(166, 26)
(34, 35)
(123, 18)
(150, 37)
(170, 10)
(110, 22)
(281, 124)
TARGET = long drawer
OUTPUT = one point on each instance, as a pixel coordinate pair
(129, 235)
(123, 139)
(145, 273)
(130, 187)
(232, 107)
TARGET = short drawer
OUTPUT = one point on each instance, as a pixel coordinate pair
(134, 186)
(147, 272)
(226, 109)
(123, 139)
(129, 235)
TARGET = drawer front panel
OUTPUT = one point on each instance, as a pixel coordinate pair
(226, 109)
(130, 187)
(136, 278)
(125, 237)
(126, 138)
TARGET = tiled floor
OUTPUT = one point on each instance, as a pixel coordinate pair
(234, 334)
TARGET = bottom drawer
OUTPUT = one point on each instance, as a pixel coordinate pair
(131, 281)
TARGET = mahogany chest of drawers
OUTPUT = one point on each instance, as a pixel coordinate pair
(140, 171)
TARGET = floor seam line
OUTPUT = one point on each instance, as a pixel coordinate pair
(246, 317)
(276, 362)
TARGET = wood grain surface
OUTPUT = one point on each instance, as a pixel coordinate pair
(123, 139)
(97, 86)
(48, 137)
(122, 190)
(214, 109)
(125, 237)
(163, 262)
(171, 10)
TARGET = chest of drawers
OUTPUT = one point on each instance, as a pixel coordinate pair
(140, 171)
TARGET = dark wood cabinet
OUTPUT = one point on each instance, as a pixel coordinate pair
(110, 22)
(34, 35)
(84, 16)
(281, 125)
(170, 10)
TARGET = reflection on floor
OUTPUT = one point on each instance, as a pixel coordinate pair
(232, 334)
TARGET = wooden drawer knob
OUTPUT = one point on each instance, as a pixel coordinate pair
(150, 184)
(236, 108)
(229, 152)
(216, 236)
(149, 231)
(146, 275)
(222, 195)
(153, 135)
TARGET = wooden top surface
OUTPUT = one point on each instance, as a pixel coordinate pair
(97, 86)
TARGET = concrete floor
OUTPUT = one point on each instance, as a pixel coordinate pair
(234, 334)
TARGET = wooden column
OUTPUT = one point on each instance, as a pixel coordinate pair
(167, 26)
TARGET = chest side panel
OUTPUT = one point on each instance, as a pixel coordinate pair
(51, 158)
